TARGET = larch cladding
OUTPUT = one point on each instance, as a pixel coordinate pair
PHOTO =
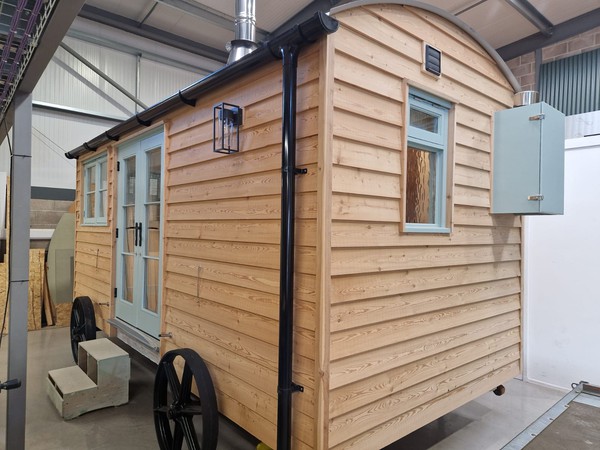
(419, 323)
(94, 245)
(222, 231)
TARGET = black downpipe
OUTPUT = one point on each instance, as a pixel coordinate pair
(286, 387)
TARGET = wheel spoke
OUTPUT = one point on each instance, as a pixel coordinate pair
(186, 384)
(78, 329)
(77, 317)
(190, 433)
(177, 437)
(164, 409)
(173, 380)
(192, 409)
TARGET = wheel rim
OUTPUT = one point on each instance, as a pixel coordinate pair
(179, 415)
(83, 323)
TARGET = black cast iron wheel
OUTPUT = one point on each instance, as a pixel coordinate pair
(179, 414)
(83, 323)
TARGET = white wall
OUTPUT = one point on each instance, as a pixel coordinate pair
(562, 277)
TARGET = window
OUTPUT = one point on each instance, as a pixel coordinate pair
(95, 191)
(426, 163)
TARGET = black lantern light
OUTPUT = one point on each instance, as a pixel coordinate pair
(227, 119)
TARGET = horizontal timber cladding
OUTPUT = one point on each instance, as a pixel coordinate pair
(419, 323)
(93, 275)
(222, 238)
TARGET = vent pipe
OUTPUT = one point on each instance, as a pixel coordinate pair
(524, 98)
(245, 30)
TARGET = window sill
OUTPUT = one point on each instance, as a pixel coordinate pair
(431, 229)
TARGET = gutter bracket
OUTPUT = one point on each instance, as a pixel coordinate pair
(303, 171)
(143, 122)
(185, 100)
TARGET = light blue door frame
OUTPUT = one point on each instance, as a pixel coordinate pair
(139, 239)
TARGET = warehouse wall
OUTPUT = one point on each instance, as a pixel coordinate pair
(524, 66)
(562, 266)
(68, 83)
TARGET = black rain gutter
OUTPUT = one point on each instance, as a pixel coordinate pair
(289, 50)
(268, 51)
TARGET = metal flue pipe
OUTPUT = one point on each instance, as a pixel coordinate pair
(245, 30)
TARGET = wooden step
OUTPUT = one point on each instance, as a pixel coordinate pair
(100, 380)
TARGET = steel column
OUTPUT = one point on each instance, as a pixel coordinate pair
(20, 198)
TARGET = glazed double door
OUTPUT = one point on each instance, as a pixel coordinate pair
(138, 281)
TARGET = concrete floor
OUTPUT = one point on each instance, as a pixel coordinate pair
(487, 423)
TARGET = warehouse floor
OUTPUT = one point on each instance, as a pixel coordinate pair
(484, 424)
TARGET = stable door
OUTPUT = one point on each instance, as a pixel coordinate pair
(138, 265)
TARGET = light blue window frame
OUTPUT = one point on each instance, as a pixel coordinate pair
(436, 143)
(100, 207)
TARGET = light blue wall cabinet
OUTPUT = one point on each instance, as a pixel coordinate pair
(529, 160)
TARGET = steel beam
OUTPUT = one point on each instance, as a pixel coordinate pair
(20, 198)
(103, 75)
(152, 33)
(562, 31)
(77, 111)
(530, 12)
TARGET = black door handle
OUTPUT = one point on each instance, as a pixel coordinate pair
(136, 234)
(140, 228)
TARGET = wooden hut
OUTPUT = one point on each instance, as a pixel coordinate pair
(407, 289)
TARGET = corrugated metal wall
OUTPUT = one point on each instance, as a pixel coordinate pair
(157, 81)
(572, 85)
(67, 82)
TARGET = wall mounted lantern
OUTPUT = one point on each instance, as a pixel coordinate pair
(227, 119)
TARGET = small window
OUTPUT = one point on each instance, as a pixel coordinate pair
(426, 163)
(95, 192)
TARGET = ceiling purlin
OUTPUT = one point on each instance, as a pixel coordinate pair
(207, 13)
(534, 16)
(132, 26)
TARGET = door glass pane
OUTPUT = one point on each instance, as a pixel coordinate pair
(151, 300)
(420, 186)
(129, 243)
(153, 229)
(128, 278)
(153, 176)
(130, 181)
(423, 120)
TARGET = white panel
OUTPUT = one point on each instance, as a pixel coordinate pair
(54, 134)
(561, 275)
(498, 22)
(558, 12)
(67, 81)
(189, 26)
(159, 81)
(580, 125)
